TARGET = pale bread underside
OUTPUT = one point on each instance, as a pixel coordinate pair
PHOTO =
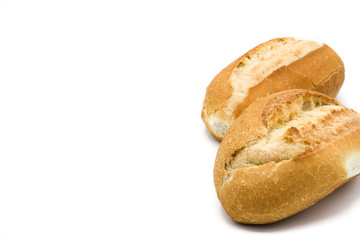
(352, 164)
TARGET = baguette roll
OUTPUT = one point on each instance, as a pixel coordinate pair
(277, 65)
(284, 153)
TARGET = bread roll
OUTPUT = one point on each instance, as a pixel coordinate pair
(284, 153)
(277, 65)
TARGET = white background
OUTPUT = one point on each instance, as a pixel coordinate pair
(100, 128)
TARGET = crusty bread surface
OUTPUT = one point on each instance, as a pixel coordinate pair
(277, 65)
(284, 153)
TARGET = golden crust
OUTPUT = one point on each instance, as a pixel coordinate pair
(306, 73)
(220, 89)
(321, 70)
(272, 191)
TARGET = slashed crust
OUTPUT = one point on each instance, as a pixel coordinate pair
(272, 191)
(321, 70)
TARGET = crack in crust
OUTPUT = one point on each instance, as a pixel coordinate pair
(328, 76)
